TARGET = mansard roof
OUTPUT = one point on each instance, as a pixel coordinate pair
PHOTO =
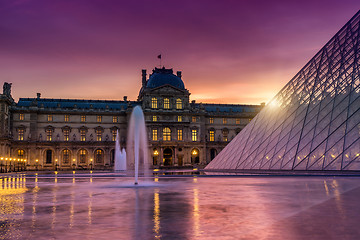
(74, 103)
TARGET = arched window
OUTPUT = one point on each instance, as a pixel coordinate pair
(154, 103)
(66, 156)
(179, 104)
(99, 156)
(48, 156)
(166, 134)
(166, 103)
(82, 155)
(21, 153)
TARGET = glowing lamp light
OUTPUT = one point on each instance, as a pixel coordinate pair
(194, 152)
(91, 160)
(74, 160)
(2, 158)
(156, 170)
(156, 153)
(6, 159)
(37, 160)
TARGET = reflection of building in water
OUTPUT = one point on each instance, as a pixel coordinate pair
(71, 133)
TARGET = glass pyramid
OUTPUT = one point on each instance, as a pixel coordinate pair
(313, 123)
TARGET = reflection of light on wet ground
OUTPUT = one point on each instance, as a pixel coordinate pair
(156, 214)
(196, 207)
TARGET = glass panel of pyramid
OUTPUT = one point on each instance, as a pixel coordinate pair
(313, 123)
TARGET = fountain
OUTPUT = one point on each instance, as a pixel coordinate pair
(137, 147)
(120, 155)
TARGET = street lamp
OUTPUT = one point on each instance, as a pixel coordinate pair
(74, 165)
(56, 165)
(91, 164)
(36, 164)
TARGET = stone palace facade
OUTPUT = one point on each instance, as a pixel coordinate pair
(41, 133)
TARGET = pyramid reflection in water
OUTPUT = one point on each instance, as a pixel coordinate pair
(313, 123)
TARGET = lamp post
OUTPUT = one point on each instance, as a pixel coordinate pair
(36, 164)
(91, 164)
(56, 165)
(2, 159)
(74, 164)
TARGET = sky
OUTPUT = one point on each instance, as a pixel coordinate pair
(229, 51)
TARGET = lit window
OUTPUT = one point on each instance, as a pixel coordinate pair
(21, 117)
(194, 135)
(99, 155)
(212, 135)
(179, 104)
(114, 132)
(82, 156)
(98, 118)
(115, 119)
(21, 134)
(21, 153)
(50, 118)
(193, 119)
(224, 120)
(83, 118)
(66, 118)
(154, 135)
(154, 118)
(179, 118)
(154, 103)
(98, 135)
(166, 103)
(238, 121)
(179, 135)
(66, 134)
(49, 134)
(211, 120)
(225, 135)
(66, 156)
(166, 134)
(82, 135)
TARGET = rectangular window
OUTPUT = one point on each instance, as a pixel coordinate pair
(193, 119)
(21, 117)
(66, 135)
(82, 156)
(179, 104)
(115, 119)
(49, 134)
(179, 135)
(83, 135)
(50, 118)
(166, 103)
(212, 135)
(154, 135)
(179, 118)
(211, 120)
(66, 118)
(83, 118)
(237, 121)
(154, 103)
(114, 132)
(194, 135)
(21, 134)
(98, 118)
(224, 120)
(154, 118)
(98, 135)
(166, 134)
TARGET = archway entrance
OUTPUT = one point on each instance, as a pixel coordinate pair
(195, 158)
(167, 157)
(213, 153)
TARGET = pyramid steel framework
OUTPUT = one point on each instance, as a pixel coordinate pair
(313, 123)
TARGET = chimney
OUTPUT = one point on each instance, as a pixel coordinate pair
(38, 95)
(125, 98)
(143, 78)
(178, 73)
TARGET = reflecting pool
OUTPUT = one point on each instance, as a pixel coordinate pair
(108, 206)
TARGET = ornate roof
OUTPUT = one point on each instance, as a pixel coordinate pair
(163, 76)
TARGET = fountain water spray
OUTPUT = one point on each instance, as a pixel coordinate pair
(120, 155)
(137, 146)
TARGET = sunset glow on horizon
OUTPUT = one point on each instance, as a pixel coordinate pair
(237, 52)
